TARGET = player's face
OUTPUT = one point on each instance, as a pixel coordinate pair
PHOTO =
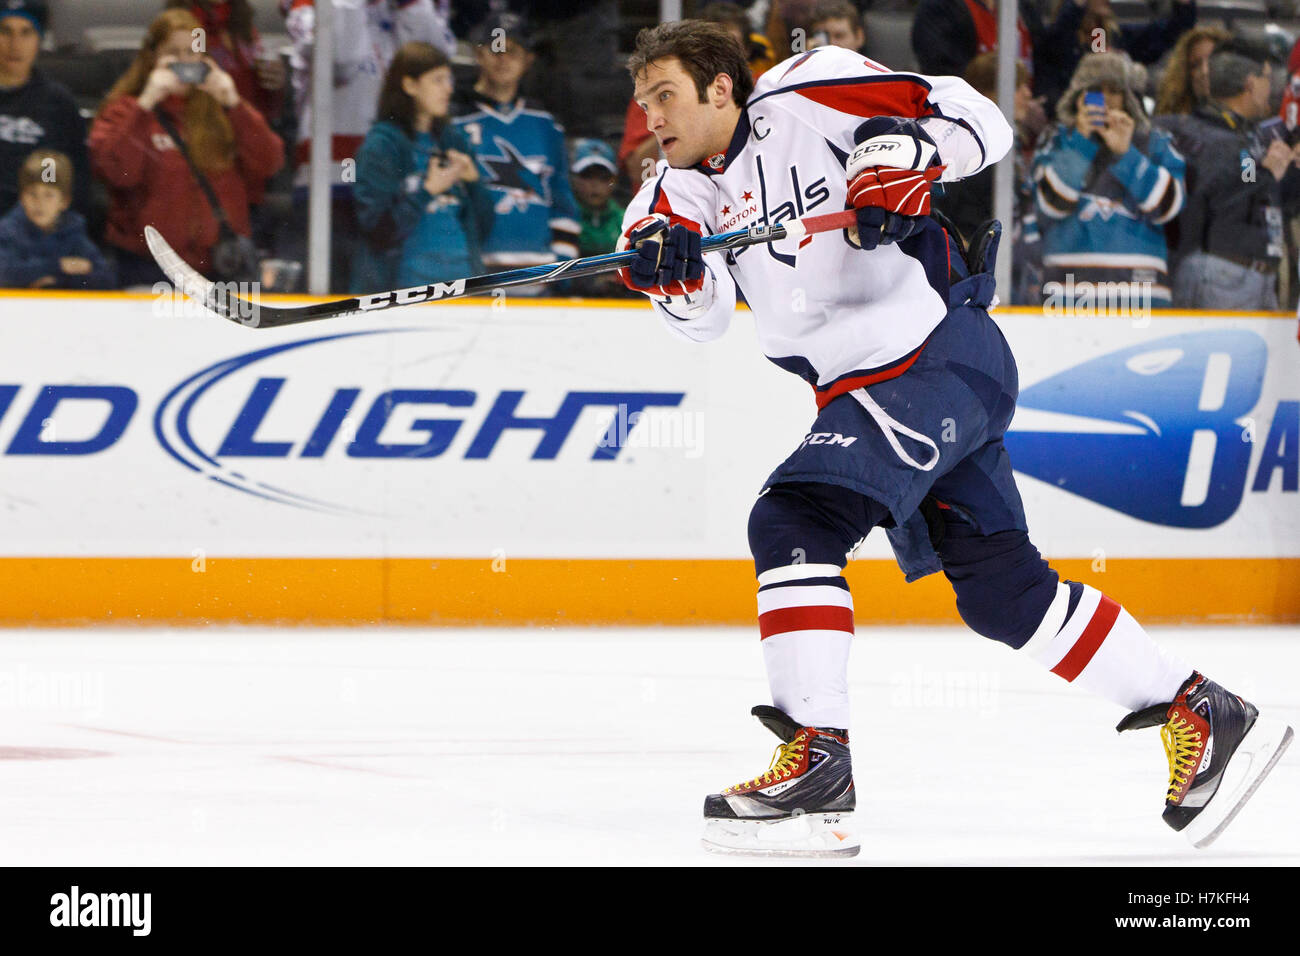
(19, 43)
(43, 204)
(688, 131)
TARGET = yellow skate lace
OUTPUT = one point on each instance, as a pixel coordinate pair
(1183, 748)
(784, 761)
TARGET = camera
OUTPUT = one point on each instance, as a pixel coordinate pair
(192, 72)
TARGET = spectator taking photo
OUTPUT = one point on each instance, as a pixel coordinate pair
(1106, 184)
(148, 178)
(1241, 179)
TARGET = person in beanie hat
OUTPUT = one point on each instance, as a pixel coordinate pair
(33, 11)
(1106, 184)
(34, 112)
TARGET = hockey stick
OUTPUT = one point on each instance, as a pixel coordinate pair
(221, 297)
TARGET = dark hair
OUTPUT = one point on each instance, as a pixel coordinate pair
(726, 14)
(411, 60)
(1229, 69)
(837, 10)
(704, 50)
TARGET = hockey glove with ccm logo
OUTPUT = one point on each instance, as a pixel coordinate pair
(889, 174)
(669, 266)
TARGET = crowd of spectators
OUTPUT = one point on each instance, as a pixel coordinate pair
(484, 135)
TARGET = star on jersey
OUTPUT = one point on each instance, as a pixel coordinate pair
(747, 196)
(521, 181)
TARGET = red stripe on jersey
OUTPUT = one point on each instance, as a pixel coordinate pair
(900, 97)
(1103, 619)
(798, 63)
(845, 385)
(810, 618)
(665, 208)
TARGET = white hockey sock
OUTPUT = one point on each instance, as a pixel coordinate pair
(805, 617)
(1103, 649)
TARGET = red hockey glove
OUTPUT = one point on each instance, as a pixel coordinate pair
(889, 175)
(669, 261)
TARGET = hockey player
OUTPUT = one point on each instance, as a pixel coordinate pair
(889, 327)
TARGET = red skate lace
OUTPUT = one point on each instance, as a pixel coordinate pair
(784, 762)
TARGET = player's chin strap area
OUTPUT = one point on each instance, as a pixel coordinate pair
(892, 428)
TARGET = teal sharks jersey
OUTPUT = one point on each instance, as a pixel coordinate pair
(523, 161)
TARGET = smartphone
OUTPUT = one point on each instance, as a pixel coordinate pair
(1271, 129)
(192, 72)
(1098, 101)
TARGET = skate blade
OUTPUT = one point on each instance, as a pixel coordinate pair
(1259, 750)
(807, 835)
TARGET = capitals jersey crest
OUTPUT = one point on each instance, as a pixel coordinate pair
(835, 315)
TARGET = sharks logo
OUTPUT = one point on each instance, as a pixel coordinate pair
(520, 181)
(1100, 207)
(1157, 431)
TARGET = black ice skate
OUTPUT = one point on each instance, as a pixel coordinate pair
(803, 804)
(1219, 751)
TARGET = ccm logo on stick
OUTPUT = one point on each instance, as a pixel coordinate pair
(419, 293)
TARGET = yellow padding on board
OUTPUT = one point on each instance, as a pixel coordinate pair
(566, 592)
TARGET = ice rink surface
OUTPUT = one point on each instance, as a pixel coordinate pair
(426, 747)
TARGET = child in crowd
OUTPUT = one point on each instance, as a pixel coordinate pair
(594, 174)
(43, 243)
(35, 112)
(421, 205)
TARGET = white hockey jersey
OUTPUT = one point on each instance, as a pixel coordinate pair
(834, 314)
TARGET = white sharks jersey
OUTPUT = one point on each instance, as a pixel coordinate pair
(836, 315)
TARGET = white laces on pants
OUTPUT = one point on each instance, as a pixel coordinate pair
(892, 428)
